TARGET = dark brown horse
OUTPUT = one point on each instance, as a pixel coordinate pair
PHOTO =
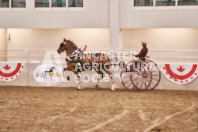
(97, 61)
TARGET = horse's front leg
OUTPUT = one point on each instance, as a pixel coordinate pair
(79, 80)
(66, 69)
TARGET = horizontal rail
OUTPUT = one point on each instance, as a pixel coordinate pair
(180, 57)
(110, 50)
(13, 56)
(106, 50)
(173, 50)
(43, 50)
(11, 50)
(165, 50)
(158, 56)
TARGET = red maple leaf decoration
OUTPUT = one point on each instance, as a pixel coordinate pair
(6, 67)
(180, 69)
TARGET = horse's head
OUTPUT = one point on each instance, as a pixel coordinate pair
(63, 46)
(67, 45)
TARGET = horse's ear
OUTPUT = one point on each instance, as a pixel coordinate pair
(64, 39)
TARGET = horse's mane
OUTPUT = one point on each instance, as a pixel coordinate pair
(72, 44)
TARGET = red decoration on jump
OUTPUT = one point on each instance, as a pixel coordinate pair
(180, 69)
(180, 73)
(10, 71)
(6, 67)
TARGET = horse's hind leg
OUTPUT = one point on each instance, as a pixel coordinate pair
(112, 79)
(101, 76)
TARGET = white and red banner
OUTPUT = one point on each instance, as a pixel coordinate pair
(10, 71)
(180, 73)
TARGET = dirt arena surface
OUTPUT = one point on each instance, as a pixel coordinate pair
(33, 109)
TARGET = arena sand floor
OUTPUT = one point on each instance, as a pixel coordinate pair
(50, 109)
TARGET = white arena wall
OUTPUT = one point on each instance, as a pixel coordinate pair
(26, 79)
(94, 14)
(161, 42)
(3, 43)
(157, 17)
(100, 14)
(98, 39)
(50, 39)
(160, 38)
(171, 33)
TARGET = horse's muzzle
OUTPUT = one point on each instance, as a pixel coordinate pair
(59, 51)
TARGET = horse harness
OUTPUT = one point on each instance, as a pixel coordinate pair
(78, 53)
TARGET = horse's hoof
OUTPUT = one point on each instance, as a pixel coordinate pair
(96, 86)
(78, 89)
(112, 89)
(68, 78)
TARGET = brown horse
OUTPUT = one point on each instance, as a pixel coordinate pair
(97, 61)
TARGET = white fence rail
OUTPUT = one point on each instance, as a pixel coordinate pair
(155, 55)
(159, 56)
(33, 58)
